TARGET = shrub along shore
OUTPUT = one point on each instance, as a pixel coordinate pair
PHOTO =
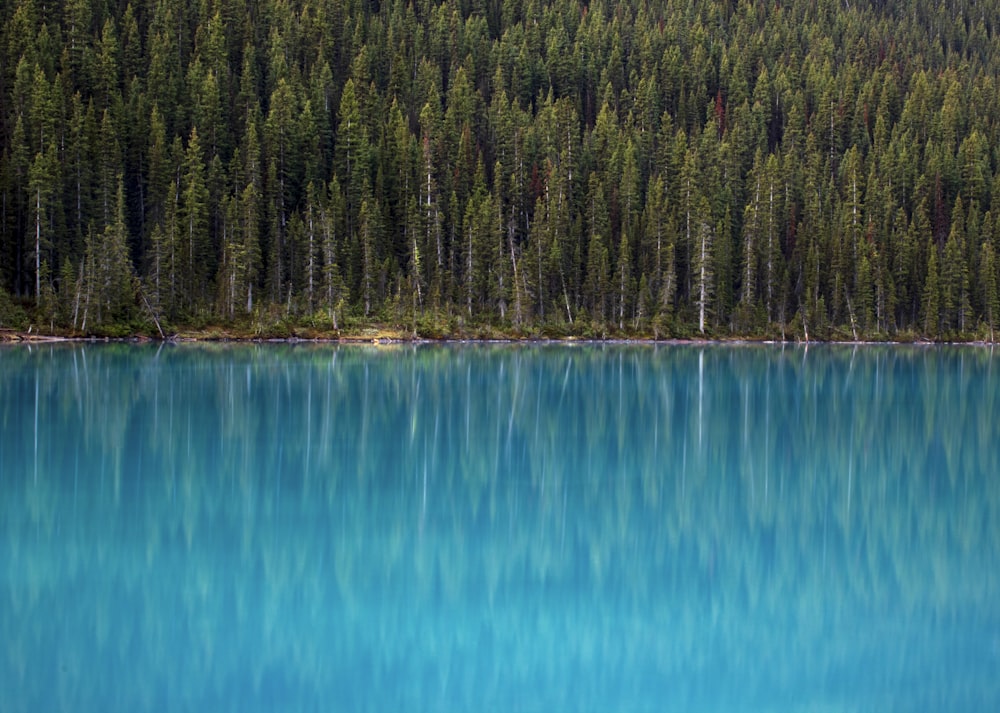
(426, 331)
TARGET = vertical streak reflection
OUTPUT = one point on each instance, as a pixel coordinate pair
(36, 426)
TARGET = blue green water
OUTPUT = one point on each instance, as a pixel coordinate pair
(586, 528)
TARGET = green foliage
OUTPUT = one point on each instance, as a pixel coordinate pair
(657, 165)
(12, 315)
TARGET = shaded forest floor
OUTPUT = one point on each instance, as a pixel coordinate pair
(19, 323)
(374, 333)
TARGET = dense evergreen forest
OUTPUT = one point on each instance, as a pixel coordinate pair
(797, 168)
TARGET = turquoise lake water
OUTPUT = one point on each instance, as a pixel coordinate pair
(499, 528)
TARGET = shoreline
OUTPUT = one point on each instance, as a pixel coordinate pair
(386, 337)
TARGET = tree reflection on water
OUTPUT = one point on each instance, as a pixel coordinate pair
(499, 527)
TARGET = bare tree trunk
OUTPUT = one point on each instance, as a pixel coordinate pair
(517, 285)
(38, 242)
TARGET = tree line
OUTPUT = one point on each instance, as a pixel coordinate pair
(804, 168)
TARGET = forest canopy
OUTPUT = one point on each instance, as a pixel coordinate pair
(806, 168)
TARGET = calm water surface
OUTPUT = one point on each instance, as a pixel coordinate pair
(206, 528)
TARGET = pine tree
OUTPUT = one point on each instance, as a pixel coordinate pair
(352, 153)
(312, 256)
(479, 235)
(228, 267)
(249, 248)
(773, 262)
(241, 251)
(166, 50)
(702, 261)
(41, 183)
(863, 290)
(690, 206)
(110, 165)
(107, 283)
(117, 289)
(903, 259)
(597, 282)
(367, 229)
(107, 70)
(79, 162)
(416, 286)
(281, 157)
(194, 212)
(931, 298)
(989, 287)
(752, 220)
(431, 217)
(955, 274)
(78, 19)
(852, 206)
(659, 235)
(332, 220)
(624, 275)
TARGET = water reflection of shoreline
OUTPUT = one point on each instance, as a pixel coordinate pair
(635, 514)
